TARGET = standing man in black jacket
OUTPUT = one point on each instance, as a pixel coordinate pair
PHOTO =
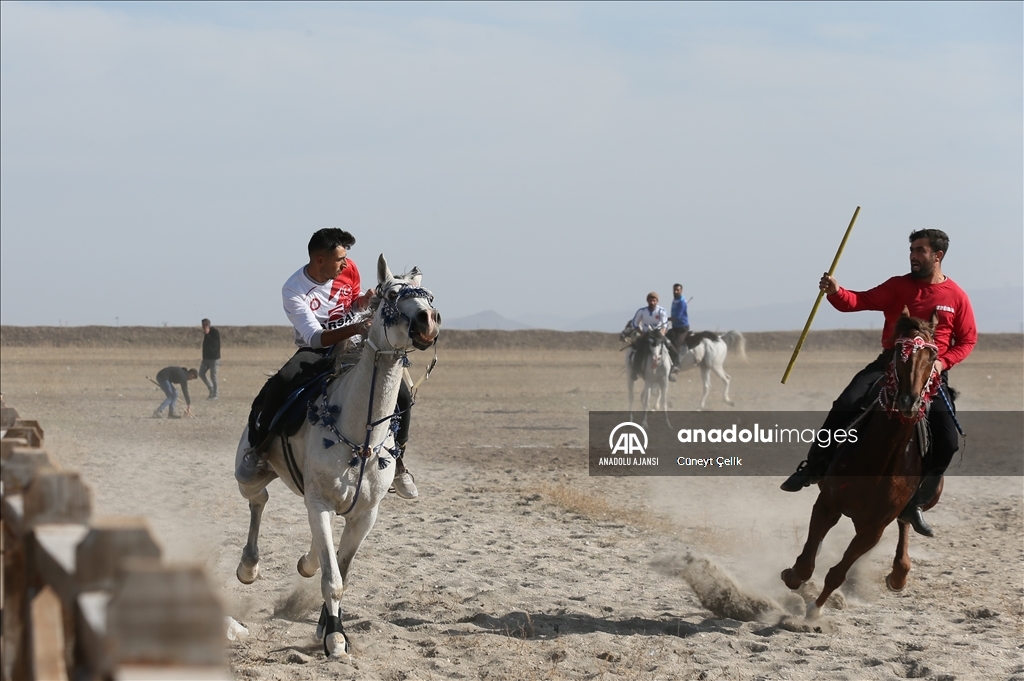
(211, 357)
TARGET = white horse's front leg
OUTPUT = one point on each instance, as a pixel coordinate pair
(309, 562)
(331, 584)
(352, 536)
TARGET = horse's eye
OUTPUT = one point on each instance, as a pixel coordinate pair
(392, 295)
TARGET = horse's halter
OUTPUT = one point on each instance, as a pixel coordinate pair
(391, 314)
(906, 348)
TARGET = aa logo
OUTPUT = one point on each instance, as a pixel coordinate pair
(629, 439)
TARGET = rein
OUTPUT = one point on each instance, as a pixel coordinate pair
(908, 347)
(322, 412)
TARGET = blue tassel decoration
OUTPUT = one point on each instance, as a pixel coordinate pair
(382, 463)
(354, 462)
(328, 443)
(333, 409)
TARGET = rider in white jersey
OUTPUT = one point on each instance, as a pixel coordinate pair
(653, 317)
(318, 300)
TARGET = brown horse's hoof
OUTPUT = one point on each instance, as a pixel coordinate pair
(790, 579)
(888, 583)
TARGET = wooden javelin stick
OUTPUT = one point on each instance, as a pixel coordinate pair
(817, 301)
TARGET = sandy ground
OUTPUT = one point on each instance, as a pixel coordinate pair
(514, 563)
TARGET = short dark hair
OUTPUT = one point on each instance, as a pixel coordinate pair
(679, 285)
(937, 239)
(205, 322)
(192, 373)
(328, 239)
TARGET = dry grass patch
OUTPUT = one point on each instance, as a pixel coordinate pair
(597, 508)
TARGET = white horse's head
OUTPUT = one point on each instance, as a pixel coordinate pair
(405, 315)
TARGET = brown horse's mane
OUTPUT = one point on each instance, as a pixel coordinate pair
(906, 326)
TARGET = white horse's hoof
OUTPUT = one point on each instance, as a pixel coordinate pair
(247, 575)
(338, 647)
(813, 611)
(302, 559)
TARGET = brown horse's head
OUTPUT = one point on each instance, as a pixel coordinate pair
(911, 379)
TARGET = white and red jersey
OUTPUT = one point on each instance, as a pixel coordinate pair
(313, 308)
(645, 319)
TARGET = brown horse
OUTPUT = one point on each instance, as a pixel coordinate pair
(872, 480)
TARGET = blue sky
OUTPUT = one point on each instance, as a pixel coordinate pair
(164, 162)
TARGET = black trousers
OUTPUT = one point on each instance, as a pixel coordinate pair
(677, 333)
(944, 434)
(305, 365)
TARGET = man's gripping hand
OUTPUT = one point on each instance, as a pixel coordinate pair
(828, 284)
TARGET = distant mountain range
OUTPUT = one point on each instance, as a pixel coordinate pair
(995, 310)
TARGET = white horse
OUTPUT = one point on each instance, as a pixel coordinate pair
(656, 369)
(707, 350)
(342, 463)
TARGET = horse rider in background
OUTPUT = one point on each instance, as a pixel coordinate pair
(680, 320)
(320, 300)
(653, 317)
(924, 291)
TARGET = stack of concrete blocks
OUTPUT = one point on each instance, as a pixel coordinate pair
(86, 598)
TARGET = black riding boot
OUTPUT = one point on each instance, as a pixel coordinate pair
(673, 354)
(913, 514)
(810, 471)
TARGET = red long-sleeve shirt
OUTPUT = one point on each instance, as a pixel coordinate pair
(955, 333)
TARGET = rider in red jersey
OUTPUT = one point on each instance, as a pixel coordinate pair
(924, 291)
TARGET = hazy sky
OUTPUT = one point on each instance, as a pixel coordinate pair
(166, 162)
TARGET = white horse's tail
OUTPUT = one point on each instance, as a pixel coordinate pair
(735, 339)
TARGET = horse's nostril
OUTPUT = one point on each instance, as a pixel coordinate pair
(423, 318)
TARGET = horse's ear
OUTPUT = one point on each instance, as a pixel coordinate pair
(905, 313)
(416, 276)
(383, 273)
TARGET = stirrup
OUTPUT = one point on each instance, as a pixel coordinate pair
(800, 479)
(250, 467)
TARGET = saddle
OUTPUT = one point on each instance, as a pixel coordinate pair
(290, 416)
(288, 419)
(693, 339)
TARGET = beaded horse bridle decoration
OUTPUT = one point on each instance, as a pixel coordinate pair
(907, 348)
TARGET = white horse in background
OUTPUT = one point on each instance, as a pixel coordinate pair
(342, 462)
(656, 369)
(708, 350)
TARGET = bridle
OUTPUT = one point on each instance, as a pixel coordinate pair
(391, 314)
(322, 412)
(905, 350)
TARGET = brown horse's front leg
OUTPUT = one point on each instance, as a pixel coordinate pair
(823, 519)
(865, 539)
(897, 579)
